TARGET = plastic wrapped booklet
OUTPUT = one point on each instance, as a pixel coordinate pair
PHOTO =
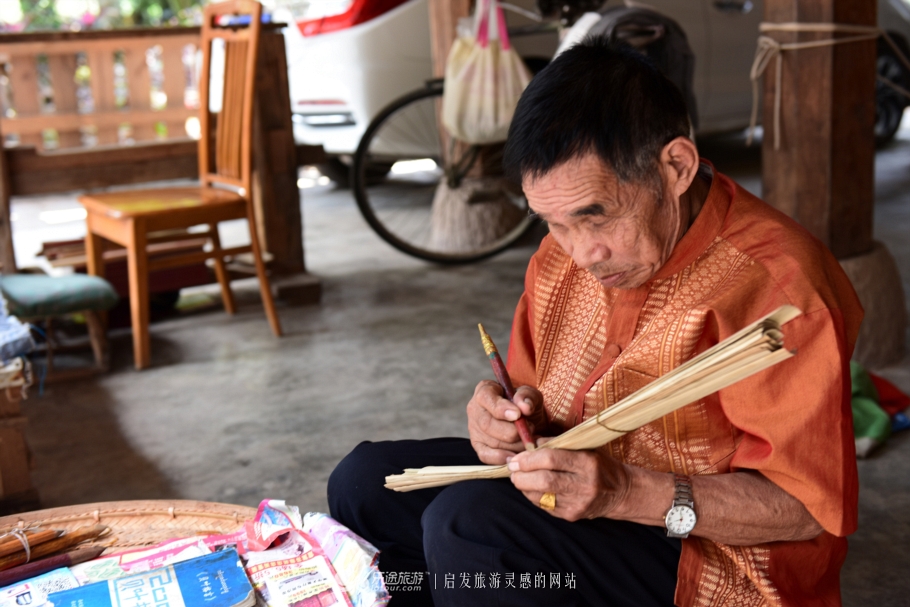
(213, 580)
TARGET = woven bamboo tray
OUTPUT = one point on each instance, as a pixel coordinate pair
(138, 523)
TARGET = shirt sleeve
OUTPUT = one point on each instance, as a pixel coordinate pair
(521, 362)
(797, 421)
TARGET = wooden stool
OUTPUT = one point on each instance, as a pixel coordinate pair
(35, 297)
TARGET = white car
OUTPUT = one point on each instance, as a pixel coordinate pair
(349, 58)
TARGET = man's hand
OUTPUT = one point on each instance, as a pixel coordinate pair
(491, 420)
(741, 508)
(587, 484)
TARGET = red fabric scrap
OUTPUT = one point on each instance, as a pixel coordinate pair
(890, 398)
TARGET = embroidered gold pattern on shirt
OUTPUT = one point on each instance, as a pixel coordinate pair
(572, 316)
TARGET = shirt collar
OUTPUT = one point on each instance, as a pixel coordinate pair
(705, 228)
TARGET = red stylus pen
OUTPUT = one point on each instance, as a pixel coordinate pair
(499, 369)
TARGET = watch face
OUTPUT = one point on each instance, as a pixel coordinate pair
(680, 520)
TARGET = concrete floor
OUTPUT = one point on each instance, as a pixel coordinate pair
(229, 413)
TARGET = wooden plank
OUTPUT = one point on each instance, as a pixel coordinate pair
(823, 173)
(141, 117)
(174, 71)
(110, 119)
(188, 259)
(60, 37)
(62, 70)
(23, 79)
(101, 82)
(33, 173)
(122, 40)
(276, 196)
(105, 166)
(174, 85)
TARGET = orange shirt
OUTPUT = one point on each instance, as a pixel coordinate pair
(586, 347)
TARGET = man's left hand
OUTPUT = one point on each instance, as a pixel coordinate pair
(587, 484)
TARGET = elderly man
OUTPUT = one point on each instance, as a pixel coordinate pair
(652, 258)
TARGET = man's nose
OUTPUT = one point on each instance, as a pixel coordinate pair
(588, 253)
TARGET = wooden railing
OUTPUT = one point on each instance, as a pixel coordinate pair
(85, 110)
(80, 89)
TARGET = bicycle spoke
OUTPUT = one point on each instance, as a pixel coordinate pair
(399, 205)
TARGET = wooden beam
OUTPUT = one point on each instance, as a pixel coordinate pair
(823, 173)
(35, 173)
(36, 123)
(60, 41)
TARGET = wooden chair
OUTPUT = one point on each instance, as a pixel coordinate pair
(135, 218)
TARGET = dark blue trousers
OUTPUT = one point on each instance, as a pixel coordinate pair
(483, 543)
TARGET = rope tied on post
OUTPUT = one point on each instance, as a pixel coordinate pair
(769, 49)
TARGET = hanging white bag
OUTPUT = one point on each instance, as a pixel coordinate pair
(483, 81)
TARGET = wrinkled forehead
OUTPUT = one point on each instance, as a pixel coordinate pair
(573, 186)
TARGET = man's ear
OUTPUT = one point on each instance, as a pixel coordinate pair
(679, 160)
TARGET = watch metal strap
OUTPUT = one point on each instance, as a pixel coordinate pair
(683, 494)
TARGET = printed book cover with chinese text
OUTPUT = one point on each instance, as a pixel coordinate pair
(213, 580)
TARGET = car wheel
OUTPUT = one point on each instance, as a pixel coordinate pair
(889, 103)
(889, 109)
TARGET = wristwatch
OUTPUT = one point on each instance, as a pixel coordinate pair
(681, 518)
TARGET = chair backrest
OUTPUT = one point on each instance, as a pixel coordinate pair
(230, 34)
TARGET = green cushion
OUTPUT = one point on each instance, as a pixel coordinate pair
(37, 295)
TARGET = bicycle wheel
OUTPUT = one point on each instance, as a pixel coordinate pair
(401, 186)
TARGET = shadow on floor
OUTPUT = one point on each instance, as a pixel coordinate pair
(80, 452)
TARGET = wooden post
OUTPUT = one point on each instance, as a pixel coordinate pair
(278, 198)
(275, 193)
(444, 16)
(823, 173)
(7, 252)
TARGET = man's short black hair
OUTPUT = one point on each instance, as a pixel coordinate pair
(600, 98)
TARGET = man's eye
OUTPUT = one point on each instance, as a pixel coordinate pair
(598, 223)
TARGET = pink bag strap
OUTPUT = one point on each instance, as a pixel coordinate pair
(483, 28)
(503, 30)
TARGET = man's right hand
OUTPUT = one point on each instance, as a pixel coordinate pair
(491, 420)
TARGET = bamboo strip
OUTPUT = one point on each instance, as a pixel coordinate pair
(749, 351)
(77, 536)
(34, 538)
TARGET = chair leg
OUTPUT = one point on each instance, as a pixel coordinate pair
(98, 337)
(227, 297)
(49, 343)
(94, 253)
(137, 263)
(264, 287)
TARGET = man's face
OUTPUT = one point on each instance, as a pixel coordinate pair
(622, 233)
